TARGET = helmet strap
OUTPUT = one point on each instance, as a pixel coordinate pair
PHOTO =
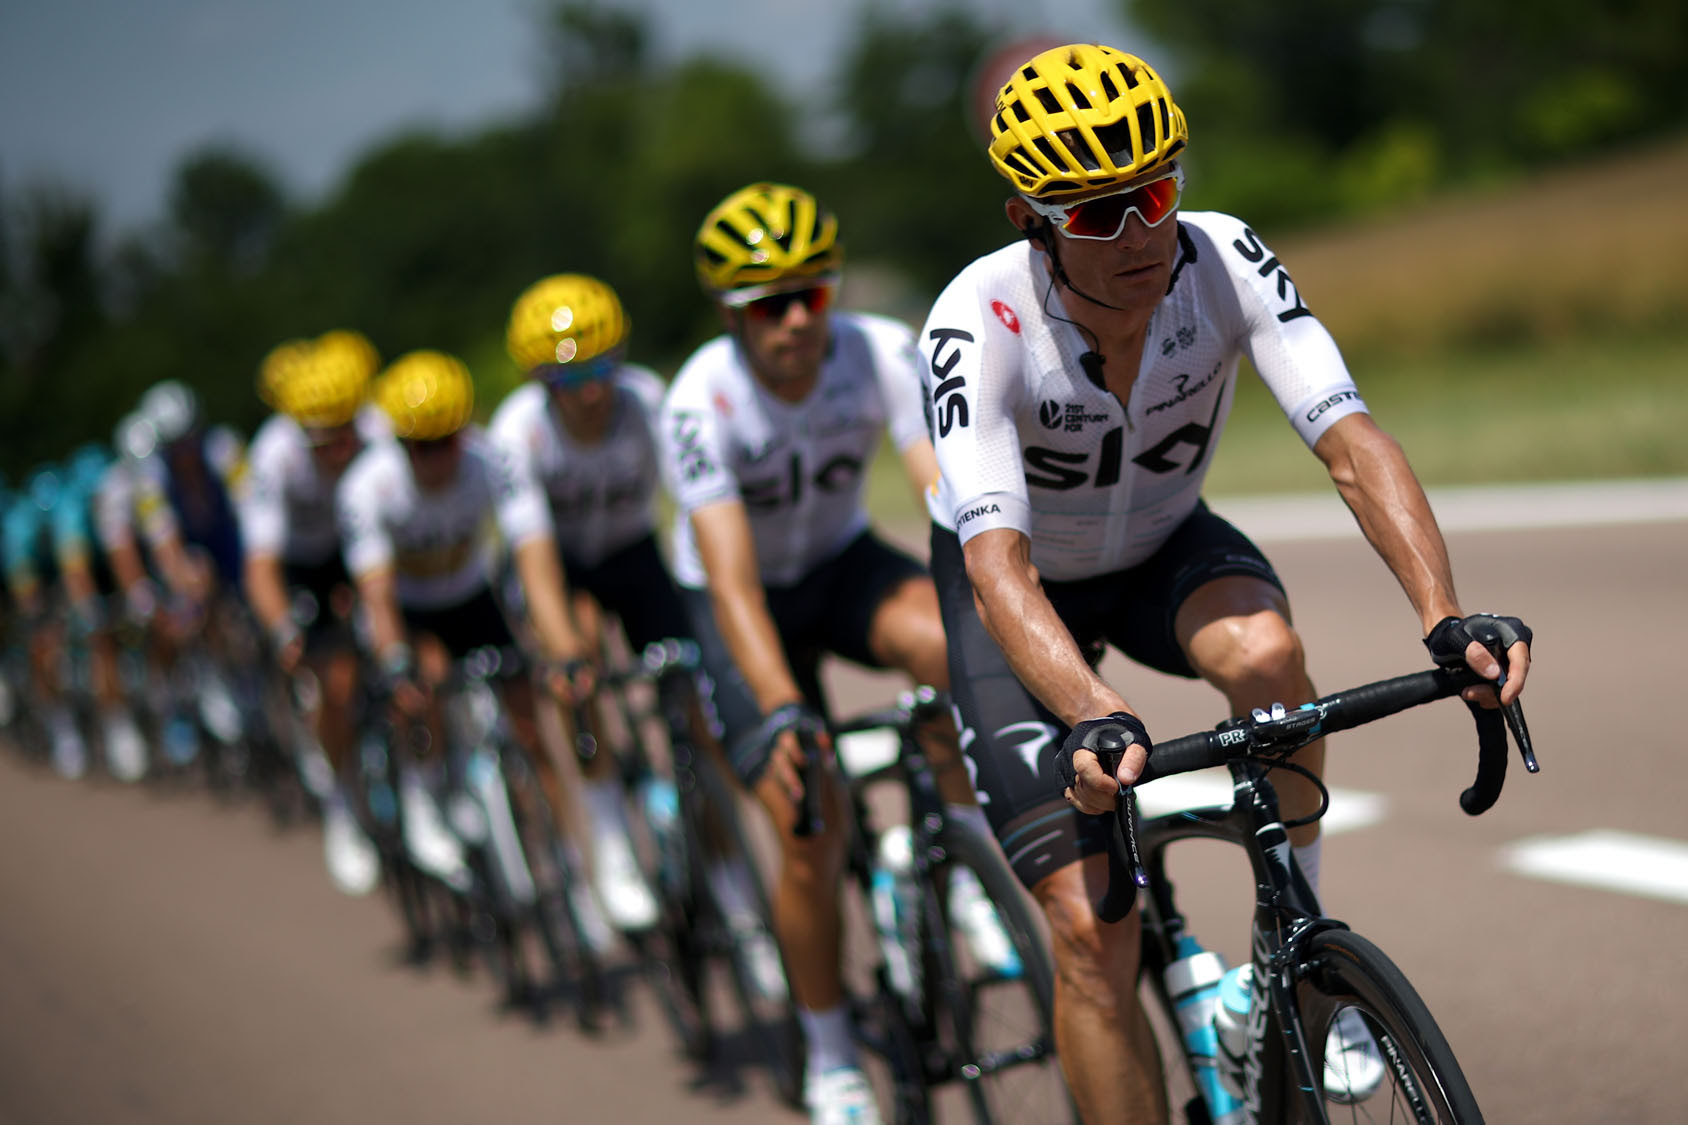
(1093, 359)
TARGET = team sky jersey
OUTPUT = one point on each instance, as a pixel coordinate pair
(439, 544)
(799, 469)
(593, 499)
(287, 506)
(1026, 441)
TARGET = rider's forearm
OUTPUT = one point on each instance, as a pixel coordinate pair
(266, 590)
(1371, 472)
(378, 594)
(742, 615)
(546, 590)
(1020, 619)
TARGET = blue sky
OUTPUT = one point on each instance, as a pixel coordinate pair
(107, 95)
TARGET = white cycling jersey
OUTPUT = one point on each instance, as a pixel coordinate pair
(593, 499)
(798, 468)
(1026, 441)
(287, 510)
(439, 544)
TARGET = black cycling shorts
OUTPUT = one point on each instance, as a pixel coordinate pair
(1009, 737)
(462, 628)
(311, 593)
(634, 585)
(830, 610)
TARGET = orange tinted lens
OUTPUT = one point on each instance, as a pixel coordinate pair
(1105, 217)
(815, 299)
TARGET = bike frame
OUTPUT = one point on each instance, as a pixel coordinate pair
(1286, 914)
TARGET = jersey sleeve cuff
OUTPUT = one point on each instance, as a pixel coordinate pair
(991, 511)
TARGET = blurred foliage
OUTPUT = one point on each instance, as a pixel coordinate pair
(1301, 110)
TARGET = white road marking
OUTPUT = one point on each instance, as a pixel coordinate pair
(1322, 515)
(1610, 860)
(1350, 809)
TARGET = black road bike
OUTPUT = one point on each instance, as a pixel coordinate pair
(1309, 970)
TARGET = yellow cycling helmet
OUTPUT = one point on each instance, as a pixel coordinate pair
(278, 366)
(565, 318)
(764, 234)
(329, 387)
(426, 394)
(1081, 117)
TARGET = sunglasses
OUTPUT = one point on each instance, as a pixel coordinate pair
(815, 298)
(568, 376)
(1104, 218)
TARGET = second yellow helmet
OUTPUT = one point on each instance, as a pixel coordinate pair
(763, 234)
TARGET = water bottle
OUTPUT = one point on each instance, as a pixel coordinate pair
(892, 891)
(1192, 982)
(660, 800)
(1230, 1025)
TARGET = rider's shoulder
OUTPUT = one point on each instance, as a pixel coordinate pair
(521, 409)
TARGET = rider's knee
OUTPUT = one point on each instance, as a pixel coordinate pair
(1087, 948)
(1263, 649)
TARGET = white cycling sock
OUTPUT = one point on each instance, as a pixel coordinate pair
(828, 1036)
(729, 879)
(604, 806)
(1307, 858)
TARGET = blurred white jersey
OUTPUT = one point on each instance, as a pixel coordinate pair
(287, 506)
(440, 544)
(798, 468)
(592, 499)
(1025, 440)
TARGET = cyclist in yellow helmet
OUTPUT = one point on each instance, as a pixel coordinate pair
(578, 445)
(417, 528)
(1079, 380)
(296, 581)
(767, 431)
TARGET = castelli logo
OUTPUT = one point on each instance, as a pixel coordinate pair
(1006, 315)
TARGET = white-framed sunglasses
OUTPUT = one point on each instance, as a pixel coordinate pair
(1103, 218)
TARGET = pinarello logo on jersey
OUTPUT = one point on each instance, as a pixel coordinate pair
(1006, 315)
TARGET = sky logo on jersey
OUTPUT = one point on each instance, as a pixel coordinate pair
(1006, 315)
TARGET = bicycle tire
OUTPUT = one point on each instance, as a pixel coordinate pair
(1421, 1079)
(770, 1021)
(998, 1030)
(577, 967)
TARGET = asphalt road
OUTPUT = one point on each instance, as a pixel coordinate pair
(166, 960)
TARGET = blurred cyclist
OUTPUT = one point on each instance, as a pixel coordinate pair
(767, 434)
(89, 585)
(26, 543)
(295, 574)
(578, 448)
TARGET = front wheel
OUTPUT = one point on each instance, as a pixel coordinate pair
(1348, 991)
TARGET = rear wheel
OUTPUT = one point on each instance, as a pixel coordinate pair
(1412, 1076)
(994, 1018)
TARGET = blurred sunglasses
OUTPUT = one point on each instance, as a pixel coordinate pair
(815, 298)
(424, 447)
(1104, 217)
(568, 376)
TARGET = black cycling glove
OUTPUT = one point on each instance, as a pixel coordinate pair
(1450, 638)
(1127, 728)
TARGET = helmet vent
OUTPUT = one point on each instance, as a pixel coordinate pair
(1047, 100)
(1108, 86)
